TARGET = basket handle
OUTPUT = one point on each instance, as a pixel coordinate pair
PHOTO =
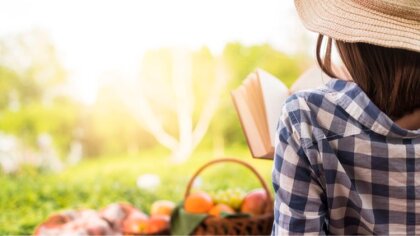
(221, 160)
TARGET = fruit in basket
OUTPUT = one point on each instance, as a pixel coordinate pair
(157, 223)
(162, 207)
(219, 209)
(116, 213)
(135, 223)
(230, 197)
(254, 202)
(198, 202)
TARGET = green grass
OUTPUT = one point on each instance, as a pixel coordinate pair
(29, 198)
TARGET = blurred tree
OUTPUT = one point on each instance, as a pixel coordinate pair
(9, 85)
(181, 84)
(183, 93)
(31, 101)
(108, 125)
(58, 120)
(33, 68)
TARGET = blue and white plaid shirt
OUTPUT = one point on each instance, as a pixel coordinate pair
(342, 166)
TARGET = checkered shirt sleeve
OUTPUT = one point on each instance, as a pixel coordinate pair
(299, 206)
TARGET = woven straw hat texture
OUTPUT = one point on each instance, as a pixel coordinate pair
(388, 23)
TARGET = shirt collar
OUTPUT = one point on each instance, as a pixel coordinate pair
(358, 105)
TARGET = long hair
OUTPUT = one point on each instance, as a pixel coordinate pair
(389, 76)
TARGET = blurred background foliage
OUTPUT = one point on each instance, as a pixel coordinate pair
(34, 101)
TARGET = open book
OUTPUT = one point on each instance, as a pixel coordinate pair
(258, 102)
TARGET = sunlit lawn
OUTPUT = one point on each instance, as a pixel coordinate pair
(28, 198)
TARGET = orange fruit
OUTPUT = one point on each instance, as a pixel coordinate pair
(135, 225)
(198, 202)
(158, 223)
(162, 207)
(219, 208)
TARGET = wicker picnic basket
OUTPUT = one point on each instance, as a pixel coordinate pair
(255, 225)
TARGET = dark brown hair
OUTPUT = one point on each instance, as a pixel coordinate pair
(389, 76)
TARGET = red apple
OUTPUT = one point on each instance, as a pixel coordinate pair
(162, 207)
(254, 202)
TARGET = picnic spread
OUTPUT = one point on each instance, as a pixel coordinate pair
(230, 211)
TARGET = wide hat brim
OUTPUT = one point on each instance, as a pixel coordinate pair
(350, 21)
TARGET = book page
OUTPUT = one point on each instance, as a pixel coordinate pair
(274, 94)
(255, 102)
(252, 134)
(263, 119)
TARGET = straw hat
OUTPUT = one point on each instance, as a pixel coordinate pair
(388, 23)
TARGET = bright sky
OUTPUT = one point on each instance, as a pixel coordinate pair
(96, 37)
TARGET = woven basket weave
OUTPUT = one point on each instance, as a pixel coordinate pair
(255, 225)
